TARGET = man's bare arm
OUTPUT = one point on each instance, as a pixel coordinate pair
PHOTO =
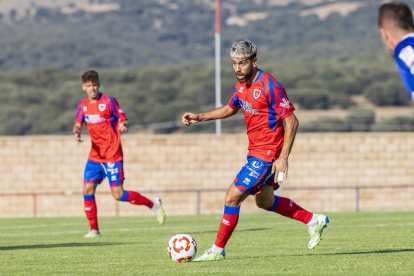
(77, 130)
(281, 164)
(219, 113)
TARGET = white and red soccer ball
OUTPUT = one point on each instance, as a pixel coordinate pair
(182, 248)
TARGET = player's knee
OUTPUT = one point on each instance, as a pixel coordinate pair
(88, 190)
(230, 200)
(116, 195)
(263, 205)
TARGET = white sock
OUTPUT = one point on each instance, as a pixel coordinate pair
(312, 222)
(218, 249)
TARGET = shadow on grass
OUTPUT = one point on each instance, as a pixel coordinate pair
(246, 230)
(58, 245)
(385, 251)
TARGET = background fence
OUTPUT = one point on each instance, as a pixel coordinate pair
(198, 192)
(43, 175)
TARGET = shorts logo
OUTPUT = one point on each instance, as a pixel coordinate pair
(257, 164)
(113, 170)
(111, 165)
(253, 175)
(247, 181)
(256, 93)
(102, 107)
(85, 108)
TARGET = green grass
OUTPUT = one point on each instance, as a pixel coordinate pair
(266, 244)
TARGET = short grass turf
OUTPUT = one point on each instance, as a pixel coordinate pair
(263, 244)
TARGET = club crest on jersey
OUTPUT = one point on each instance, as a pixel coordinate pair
(102, 107)
(256, 93)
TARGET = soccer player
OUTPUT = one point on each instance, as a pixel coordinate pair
(105, 122)
(265, 107)
(397, 34)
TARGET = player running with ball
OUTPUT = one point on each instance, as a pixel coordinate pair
(265, 107)
(105, 121)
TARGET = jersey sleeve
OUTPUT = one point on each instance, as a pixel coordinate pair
(278, 99)
(405, 62)
(117, 111)
(234, 101)
(80, 117)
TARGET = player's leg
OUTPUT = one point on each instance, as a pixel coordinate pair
(286, 207)
(281, 205)
(249, 181)
(92, 177)
(232, 202)
(116, 178)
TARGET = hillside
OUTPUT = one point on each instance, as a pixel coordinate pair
(81, 34)
(156, 57)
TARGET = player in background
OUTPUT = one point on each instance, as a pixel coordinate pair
(105, 122)
(265, 107)
(397, 34)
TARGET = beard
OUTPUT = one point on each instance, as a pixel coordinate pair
(245, 78)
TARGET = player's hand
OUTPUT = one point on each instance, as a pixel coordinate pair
(280, 166)
(123, 126)
(190, 118)
(78, 135)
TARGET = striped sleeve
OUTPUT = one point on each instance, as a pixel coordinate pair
(278, 99)
(117, 111)
(80, 117)
(234, 101)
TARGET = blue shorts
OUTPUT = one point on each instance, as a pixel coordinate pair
(254, 175)
(96, 172)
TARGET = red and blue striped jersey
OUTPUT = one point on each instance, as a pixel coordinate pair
(102, 120)
(265, 105)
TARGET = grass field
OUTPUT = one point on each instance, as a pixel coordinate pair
(265, 244)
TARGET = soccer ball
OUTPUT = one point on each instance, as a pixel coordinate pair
(182, 248)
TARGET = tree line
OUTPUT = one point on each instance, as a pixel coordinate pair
(45, 100)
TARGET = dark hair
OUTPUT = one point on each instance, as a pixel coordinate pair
(90, 76)
(397, 12)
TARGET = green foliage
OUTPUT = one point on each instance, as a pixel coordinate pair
(359, 120)
(363, 117)
(325, 125)
(395, 124)
(44, 101)
(310, 98)
(386, 93)
(340, 100)
(147, 33)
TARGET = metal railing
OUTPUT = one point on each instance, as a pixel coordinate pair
(198, 192)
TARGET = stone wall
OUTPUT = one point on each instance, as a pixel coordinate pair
(43, 175)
